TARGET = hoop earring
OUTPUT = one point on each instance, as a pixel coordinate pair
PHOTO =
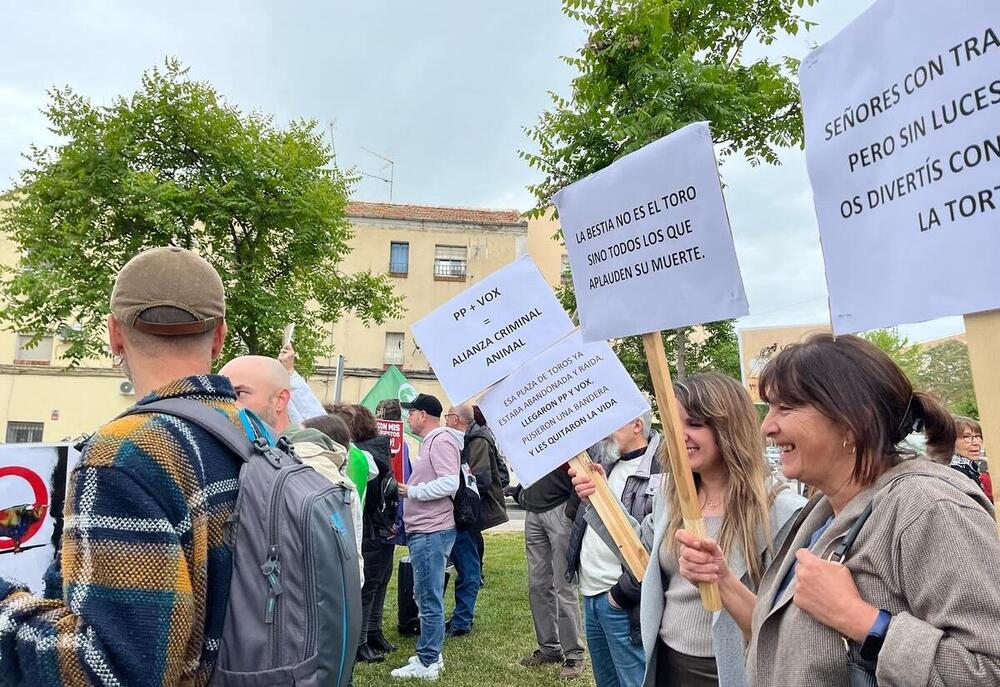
(854, 449)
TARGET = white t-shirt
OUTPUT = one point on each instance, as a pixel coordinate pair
(599, 566)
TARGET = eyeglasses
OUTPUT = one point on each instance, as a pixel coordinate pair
(971, 437)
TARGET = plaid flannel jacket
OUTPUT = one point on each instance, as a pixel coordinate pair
(145, 571)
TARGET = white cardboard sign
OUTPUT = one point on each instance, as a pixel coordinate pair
(484, 333)
(903, 149)
(33, 480)
(557, 405)
(649, 241)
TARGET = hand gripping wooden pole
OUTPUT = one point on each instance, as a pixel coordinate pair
(609, 509)
(982, 331)
(680, 470)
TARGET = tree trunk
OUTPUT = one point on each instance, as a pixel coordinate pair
(681, 347)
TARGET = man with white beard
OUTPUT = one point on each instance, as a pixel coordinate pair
(629, 457)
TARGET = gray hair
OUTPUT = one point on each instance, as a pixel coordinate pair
(647, 423)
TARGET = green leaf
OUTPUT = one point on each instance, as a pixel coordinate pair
(175, 164)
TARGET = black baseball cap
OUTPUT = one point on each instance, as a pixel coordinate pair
(425, 402)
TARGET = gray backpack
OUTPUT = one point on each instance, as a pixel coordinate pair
(294, 613)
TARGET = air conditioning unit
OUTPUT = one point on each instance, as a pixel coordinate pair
(126, 388)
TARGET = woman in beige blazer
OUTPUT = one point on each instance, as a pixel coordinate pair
(917, 600)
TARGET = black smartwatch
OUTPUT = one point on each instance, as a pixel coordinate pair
(876, 636)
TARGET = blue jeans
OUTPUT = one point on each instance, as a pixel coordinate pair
(469, 576)
(617, 662)
(429, 557)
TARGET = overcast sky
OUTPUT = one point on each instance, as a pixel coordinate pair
(443, 88)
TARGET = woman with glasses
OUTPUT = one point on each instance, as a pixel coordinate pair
(968, 448)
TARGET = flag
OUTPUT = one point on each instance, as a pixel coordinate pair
(392, 384)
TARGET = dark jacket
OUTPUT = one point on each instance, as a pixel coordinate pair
(637, 498)
(481, 453)
(551, 491)
(375, 526)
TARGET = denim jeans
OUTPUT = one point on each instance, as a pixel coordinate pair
(617, 662)
(469, 575)
(429, 557)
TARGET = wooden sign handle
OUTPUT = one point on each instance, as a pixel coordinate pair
(608, 507)
(680, 470)
(982, 332)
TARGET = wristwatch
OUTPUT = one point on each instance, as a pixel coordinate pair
(876, 636)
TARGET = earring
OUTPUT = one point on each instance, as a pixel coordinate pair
(853, 448)
(117, 359)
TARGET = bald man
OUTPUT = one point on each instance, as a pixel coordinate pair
(262, 385)
(481, 454)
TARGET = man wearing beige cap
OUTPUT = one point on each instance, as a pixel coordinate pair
(144, 569)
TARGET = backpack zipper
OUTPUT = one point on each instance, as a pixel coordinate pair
(272, 571)
(310, 640)
(271, 568)
(337, 524)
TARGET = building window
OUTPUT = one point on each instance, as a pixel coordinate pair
(40, 354)
(394, 348)
(399, 258)
(565, 274)
(24, 432)
(449, 262)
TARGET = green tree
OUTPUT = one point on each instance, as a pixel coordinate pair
(905, 354)
(176, 164)
(650, 67)
(945, 371)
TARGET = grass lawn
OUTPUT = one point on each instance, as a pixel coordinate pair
(503, 631)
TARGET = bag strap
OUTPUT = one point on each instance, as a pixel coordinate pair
(840, 553)
(434, 469)
(210, 420)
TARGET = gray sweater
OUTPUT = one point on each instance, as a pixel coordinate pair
(727, 638)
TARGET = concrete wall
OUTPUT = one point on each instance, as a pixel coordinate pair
(74, 402)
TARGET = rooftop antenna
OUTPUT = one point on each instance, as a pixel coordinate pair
(389, 163)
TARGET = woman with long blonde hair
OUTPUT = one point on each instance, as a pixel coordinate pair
(744, 510)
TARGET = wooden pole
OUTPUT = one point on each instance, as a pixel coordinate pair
(666, 401)
(982, 332)
(609, 508)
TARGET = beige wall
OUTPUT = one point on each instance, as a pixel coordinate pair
(546, 251)
(84, 398)
(759, 345)
(488, 249)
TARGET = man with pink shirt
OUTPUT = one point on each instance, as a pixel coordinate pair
(428, 513)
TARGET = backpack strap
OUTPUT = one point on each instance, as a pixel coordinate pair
(213, 422)
(840, 553)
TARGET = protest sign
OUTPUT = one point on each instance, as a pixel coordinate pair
(32, 493)
(394, 430)
(554, 407)
(650, 247)
(484, 333)
(568, 398)
(903, 150)
(650, 235)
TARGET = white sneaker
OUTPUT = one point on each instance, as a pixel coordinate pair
(419, 671)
